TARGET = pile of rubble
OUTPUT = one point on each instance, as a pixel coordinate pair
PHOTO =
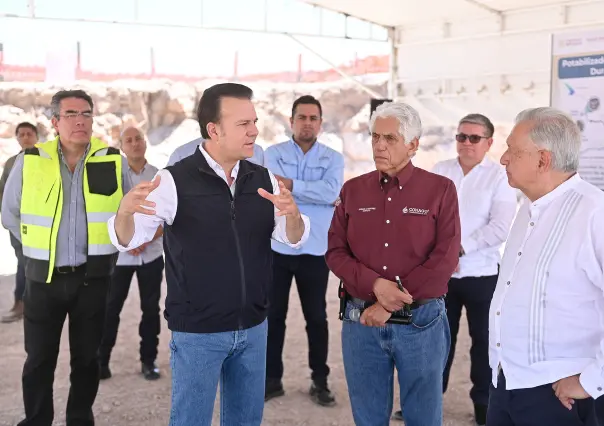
(165, 111)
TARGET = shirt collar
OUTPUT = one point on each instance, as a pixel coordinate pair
(560, 190)
(142, 170)
(483, 163)
(293, 142)
(402, 176)
(215, 166)
(60, 150)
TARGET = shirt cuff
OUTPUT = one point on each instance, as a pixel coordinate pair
(367, 279)
(592, 380)
(113, 236)
(305, 234)
(298, 187)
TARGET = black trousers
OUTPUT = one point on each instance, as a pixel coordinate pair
(149, 277)
(311, 274)
(46, 307)
(539, 407)
(475, 294)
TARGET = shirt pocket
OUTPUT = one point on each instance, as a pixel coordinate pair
(316, 168)
(102, 179)
(289, 166)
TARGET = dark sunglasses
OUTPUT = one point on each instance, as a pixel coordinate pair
(461, 138)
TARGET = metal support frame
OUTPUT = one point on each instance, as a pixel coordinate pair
(393, 92)
(500, 15)
(31, 8)
(202, 26)
(549, 29)
(179, 26)
(347, 76)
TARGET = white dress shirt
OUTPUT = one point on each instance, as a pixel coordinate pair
(154, 249)
(487, 205)
(166, 202)
(546, 320)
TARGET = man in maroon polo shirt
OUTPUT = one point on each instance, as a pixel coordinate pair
(397, 221)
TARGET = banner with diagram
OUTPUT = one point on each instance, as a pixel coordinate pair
(577, 87)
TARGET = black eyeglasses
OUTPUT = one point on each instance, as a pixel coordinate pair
(461, 138)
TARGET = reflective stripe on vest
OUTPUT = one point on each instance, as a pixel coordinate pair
(42, 201)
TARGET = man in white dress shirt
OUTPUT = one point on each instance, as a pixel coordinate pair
(147, 262)
(220, 213)
(546, 322)
(487, 205)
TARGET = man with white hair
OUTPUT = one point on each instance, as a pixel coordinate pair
(546, 322)
(394, 241)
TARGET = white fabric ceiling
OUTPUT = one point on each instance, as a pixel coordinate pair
(391, 13)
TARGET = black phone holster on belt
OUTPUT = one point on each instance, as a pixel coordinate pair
(403, 316)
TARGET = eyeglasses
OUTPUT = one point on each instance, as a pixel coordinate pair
(461, 138)
(72, 115)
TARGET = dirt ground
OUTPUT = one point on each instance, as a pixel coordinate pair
(127, 399)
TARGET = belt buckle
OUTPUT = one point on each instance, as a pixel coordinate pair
(65, 269)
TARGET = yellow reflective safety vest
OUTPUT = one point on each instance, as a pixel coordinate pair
(42, 204)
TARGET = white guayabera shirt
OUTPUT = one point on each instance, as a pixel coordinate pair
(547, 315)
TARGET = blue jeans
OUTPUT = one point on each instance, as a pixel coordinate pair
(419, 351)
(200, 360)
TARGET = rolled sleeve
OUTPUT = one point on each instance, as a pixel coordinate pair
(145, 226)
(280, 231)
(11, 200)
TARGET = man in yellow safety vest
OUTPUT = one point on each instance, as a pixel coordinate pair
(57, 200)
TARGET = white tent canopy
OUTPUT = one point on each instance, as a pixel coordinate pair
(396, 13)
(448, 49)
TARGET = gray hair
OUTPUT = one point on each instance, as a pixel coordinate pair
(481, 120)
(55, 102)
(556, 132)
(410, 124)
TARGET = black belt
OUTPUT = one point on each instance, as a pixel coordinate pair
(69, 269)
(416, 303)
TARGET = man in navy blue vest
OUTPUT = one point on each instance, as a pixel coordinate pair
(220, 213)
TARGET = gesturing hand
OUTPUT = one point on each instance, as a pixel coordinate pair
(284, 201)
(135, 200)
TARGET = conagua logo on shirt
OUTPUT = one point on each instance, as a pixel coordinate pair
(413, 210)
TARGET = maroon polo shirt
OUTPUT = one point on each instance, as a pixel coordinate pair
(407, 225)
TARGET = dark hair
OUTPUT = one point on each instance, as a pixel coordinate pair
(55, 103)
(26, 125)
(307, 100)
(208, 110)
(480, 120)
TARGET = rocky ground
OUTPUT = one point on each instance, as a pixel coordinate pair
(127, 399)
(165, 111)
